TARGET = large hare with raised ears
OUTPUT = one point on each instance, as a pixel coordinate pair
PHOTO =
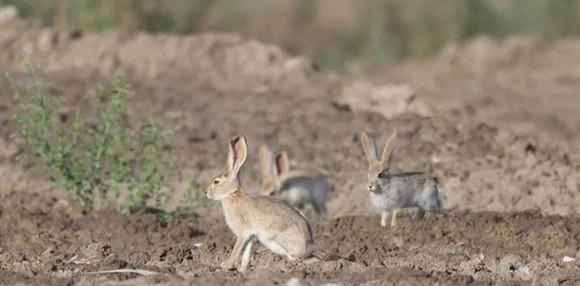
(299, 188)
(276, 225)
(390, 192)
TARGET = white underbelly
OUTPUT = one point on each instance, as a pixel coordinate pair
(272, 245)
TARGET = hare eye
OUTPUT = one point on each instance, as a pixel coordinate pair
(382, 175)
(216, 181)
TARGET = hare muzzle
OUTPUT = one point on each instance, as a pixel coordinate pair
(373, 183)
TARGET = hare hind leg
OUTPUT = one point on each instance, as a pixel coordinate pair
(394, 217)
(434, 206)
(319, 209)
(273, 246)
(288, 247)
(419, 214)
(281, 250)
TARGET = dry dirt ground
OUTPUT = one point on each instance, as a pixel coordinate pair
(497, 123)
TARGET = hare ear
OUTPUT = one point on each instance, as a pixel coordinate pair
(388, 151)
(237, 154)
(266, 161)
(369, 147)
(282, 165)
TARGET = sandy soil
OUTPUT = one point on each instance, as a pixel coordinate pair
(497, 123)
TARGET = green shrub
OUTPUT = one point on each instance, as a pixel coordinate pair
(96, 156)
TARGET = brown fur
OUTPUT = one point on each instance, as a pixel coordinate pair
(274, 223)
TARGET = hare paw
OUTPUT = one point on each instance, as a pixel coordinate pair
(227, 265)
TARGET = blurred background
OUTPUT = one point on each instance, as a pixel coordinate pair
(484, 95)
(361, 33)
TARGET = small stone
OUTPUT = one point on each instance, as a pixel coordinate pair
(568, 259)
(295, 281)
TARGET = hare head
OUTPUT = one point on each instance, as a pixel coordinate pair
(228, 181)
(378, 168)
(273, 170)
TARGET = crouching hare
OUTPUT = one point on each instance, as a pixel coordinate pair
(390, 191)
(276, 225)
(301, 189)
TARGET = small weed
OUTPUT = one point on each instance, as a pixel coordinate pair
(96, 156)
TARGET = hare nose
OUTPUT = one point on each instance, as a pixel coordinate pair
(370, 187)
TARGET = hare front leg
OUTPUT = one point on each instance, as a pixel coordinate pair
(384, 218)
(394, 217)
(231, 261)
(246, 256)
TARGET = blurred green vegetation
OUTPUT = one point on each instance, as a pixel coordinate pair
(96, 160)
(335, 33)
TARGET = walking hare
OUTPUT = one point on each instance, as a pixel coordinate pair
(298, 188)
(276, 225)
(390, 191)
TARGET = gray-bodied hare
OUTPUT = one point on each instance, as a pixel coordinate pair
(298, 188)
(390, 191)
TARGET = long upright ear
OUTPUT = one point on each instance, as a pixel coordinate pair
(388, 151)
(282, 165)
(370, 148)
(266, 161)
(237, 154)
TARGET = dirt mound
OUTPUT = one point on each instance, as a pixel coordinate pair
(485, 55)
(213, 59)
(522, 84)
(387, 100)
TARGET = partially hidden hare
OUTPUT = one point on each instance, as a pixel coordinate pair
(391, 191)
(279, 227)
(299, 188)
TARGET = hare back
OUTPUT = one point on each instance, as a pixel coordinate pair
(403, 190)
(429, 200)
(264, 217)
(302, 187)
